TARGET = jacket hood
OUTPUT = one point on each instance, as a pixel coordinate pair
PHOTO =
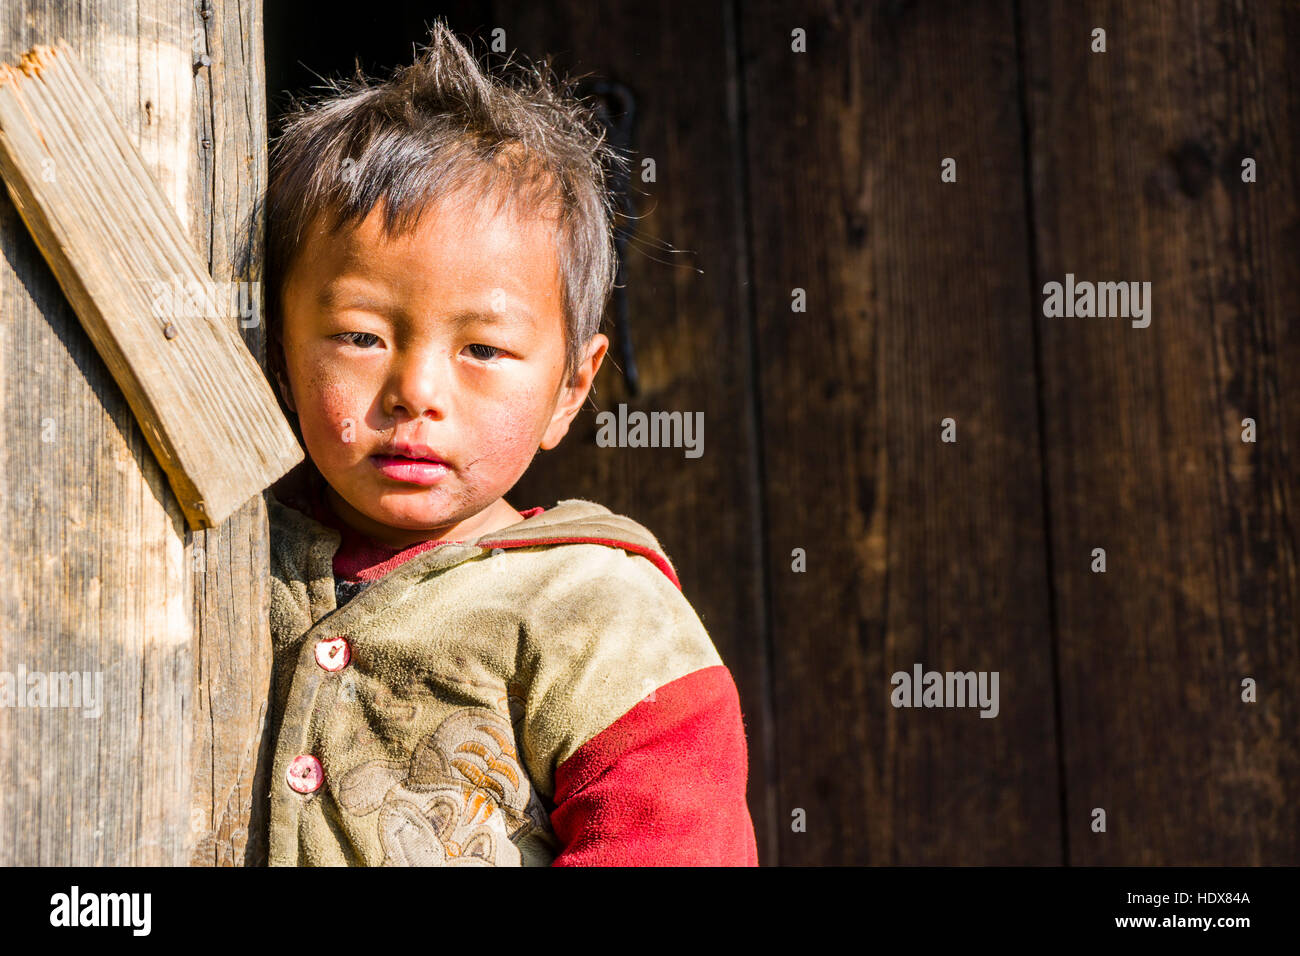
(569, 521)
(578, 521)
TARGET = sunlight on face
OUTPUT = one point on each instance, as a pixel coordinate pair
(445, 343)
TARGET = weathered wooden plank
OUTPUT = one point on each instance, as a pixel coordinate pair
(231, 756)
(98, 572)
(141, 292)
(690, 326)
(93, 541)
(918, 551)
(1138, 177)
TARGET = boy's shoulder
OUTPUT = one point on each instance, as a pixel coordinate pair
(300, 541)
(580, 521)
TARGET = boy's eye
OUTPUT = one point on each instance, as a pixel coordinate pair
(489, 348)
(353, 338)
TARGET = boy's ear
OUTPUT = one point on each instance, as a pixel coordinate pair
(276, 361)
(575, 393)
(287, 393)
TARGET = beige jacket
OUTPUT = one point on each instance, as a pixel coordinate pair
(422, 722)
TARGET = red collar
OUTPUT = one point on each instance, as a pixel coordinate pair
(362, 558)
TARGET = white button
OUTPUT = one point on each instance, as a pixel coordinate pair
(333, 654)
(306, 774)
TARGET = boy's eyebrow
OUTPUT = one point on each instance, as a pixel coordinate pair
(332, 297)
(478, 316)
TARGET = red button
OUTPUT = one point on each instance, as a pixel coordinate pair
(305, 774)
(333, 654)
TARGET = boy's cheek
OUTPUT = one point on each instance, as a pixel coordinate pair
(337, 414)
(510, 435)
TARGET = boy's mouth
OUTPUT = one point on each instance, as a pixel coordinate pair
(415, 464)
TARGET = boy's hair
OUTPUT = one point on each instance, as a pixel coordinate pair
(436, 127)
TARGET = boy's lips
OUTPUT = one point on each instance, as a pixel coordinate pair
(413, 451)
(416, 464)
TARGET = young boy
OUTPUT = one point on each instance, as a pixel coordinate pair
(456, 681)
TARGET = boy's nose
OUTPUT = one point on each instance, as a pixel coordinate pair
(419, 386)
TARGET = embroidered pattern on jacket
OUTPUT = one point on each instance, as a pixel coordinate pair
(461, 800)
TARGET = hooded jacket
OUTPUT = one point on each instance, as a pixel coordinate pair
(540, 695)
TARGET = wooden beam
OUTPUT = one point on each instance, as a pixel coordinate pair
(232, 640)
(163, 327)
(102, 576)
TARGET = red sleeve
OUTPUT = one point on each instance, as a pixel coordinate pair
(664, 785)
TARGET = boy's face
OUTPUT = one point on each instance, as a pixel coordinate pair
(450, 338)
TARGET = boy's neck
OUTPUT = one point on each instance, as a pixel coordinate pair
(500, 514)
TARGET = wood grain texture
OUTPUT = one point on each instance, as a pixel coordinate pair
(99, 572)
(1137, 177)
(163, 327)
(96, 576)
(917, 551)
(231, 754)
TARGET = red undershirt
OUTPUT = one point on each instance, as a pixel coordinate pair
(362, 558)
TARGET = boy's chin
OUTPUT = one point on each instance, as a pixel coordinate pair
(416, 519)
(415, 510)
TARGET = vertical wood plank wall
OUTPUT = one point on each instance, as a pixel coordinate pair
(918, 551)
(100, 572)
(1137, 174)
(232, 636)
